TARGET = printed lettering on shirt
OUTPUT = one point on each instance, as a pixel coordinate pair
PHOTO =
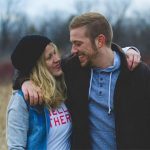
(59, 116)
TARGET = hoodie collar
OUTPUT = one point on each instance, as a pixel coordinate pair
(115, 66)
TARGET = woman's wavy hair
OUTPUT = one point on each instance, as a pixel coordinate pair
(53, 88)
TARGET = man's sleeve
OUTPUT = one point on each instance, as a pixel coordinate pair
(70, 63)
(18, 79)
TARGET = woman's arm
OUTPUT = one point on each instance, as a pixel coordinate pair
(17, 123)
(133, 57)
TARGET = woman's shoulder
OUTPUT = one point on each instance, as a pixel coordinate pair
(17, 100)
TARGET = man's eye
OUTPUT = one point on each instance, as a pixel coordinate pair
(78, 44)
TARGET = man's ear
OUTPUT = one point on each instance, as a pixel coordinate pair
(100, 41)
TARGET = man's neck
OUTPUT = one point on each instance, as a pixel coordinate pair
(104, 58)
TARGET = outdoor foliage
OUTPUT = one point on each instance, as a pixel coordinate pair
(5, 92)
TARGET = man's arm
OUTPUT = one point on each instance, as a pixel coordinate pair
(34, 93)
(30, 91)
(18, 79)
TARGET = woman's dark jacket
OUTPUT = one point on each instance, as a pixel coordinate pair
(131, 104)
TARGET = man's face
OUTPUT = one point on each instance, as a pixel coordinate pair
(82, 46)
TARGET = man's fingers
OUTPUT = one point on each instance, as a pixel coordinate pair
(31, 100)
(130, 61)
(33, 97)
(26, 94)
(32, 93)
(40, 98)
(38, 95)
(133, 59)
(133, 64)
(136, 61)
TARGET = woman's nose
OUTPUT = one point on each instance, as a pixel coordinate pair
(56, 58)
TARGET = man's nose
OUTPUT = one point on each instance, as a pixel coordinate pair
(74, 50)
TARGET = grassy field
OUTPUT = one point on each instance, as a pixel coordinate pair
(5, 92)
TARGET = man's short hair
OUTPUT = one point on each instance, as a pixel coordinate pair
(95, 23)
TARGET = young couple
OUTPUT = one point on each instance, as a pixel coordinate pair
(107, 103)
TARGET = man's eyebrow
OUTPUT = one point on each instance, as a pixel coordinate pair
(76, 41)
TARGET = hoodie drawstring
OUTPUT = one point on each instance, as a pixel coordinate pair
(91, 81)
(109, 92)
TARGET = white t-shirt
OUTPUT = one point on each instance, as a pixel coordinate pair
(60, 129)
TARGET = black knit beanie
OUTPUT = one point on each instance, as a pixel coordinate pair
(28, 51)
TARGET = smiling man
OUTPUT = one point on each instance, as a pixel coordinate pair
(100, 95)
(109, 103)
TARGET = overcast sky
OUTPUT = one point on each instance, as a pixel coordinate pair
(35, 7)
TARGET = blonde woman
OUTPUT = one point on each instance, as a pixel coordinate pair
(46, 126)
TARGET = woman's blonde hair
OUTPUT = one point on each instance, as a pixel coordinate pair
(53, 88)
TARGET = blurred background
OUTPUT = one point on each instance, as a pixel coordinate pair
(130, 20)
